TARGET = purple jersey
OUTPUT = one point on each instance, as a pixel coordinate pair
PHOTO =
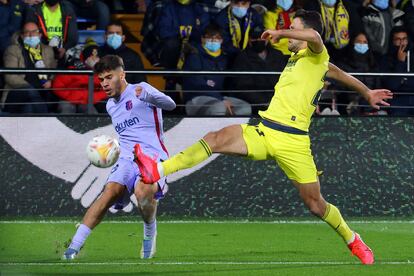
(138, 119)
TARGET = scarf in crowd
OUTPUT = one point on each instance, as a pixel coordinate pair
(284, 18)
(185, 33)
(235, 29)
(336, 23)
(35, 55)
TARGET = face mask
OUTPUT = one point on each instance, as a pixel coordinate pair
(381, 4)
(239, 12)
(361, 48)
(329, 3)
(51, 2)
(32, 41)
(114, 41)
(212, 46)
(258, 46)
(285, 4)
(184, 2)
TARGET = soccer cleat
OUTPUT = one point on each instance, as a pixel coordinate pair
(149, 247)
(361, 250)
(146, 165)
(70, 254)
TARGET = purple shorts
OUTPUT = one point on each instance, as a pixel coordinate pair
(126, 172)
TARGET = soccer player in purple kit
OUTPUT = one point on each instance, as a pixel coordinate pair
(136, 114)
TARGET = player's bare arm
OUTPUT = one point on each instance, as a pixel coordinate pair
(311, 36)
(375, 97)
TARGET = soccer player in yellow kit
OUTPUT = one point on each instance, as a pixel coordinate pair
(282, 134)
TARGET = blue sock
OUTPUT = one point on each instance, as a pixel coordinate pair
(79, 239)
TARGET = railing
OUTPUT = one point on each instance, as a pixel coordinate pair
(185, 73)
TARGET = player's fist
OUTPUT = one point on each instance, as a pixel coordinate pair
(273, 35)
(138, 91)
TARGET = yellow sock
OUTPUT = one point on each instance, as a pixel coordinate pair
(334, 219)
(188, 158)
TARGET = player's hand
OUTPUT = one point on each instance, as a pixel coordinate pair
(138, 91)
(273, 35)
(229, 107)
(378, 97)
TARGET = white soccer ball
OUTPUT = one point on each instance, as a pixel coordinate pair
(103, 151)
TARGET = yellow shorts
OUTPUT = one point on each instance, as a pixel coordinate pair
(291, 151)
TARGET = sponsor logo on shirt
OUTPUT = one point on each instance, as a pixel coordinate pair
(120, 127)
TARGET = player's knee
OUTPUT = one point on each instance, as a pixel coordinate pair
(144, 198)
(212, 139)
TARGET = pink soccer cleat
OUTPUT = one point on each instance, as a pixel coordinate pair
(146, 165)
(361, 250)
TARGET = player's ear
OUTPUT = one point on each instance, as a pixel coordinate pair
(122, 75)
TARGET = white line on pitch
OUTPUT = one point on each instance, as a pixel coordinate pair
(201, 263)
(206, 222)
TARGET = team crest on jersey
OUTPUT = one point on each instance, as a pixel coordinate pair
(128, 105)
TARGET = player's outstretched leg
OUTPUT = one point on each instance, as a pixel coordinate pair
(93, 217)
(313, 199)
(148, 207)
(228, 140)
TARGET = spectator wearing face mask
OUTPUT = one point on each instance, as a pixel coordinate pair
(279, 17)
(236, 21)
(57, 22)
(378, 19)
(340, 21)
(358, 57)
(210, 100)
(400, 59)
(115, 45)
(258, 56)
(73, 89)
(27, 51)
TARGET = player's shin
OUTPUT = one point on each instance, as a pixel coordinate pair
(79, 238)
(188, 158)
(334, 218)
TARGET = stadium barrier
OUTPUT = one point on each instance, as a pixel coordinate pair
(367, 165)
(90, 109)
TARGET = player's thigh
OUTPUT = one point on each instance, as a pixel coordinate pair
(255, 137)
(228, 140)
(294, 157)
(112, 192)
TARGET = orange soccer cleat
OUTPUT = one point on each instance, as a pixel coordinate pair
(146, 165)
(361, 250)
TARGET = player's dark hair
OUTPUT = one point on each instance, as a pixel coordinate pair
(310, 19)
(108, 63)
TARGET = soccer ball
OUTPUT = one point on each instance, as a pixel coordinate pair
(103, 151)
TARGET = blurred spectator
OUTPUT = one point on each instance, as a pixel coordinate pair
(378, 19)
(236, 21)
(11, 19)
(279, 17)
(358, 57)
(57, 22)
(407, 6)
(151, 44)
(209, 57)
(258, 56)
(115, 45)
(93, 9)
(400, 60)
(180, 22)
(28, 52)
(74, 88)
(340, 19)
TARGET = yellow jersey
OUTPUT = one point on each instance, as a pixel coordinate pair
(298, 90)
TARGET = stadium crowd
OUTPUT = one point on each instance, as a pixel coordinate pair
(370, 36)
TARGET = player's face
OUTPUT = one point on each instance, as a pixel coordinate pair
(111, 82)
(295, 45)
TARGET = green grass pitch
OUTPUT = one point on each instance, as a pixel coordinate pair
(207, 248)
